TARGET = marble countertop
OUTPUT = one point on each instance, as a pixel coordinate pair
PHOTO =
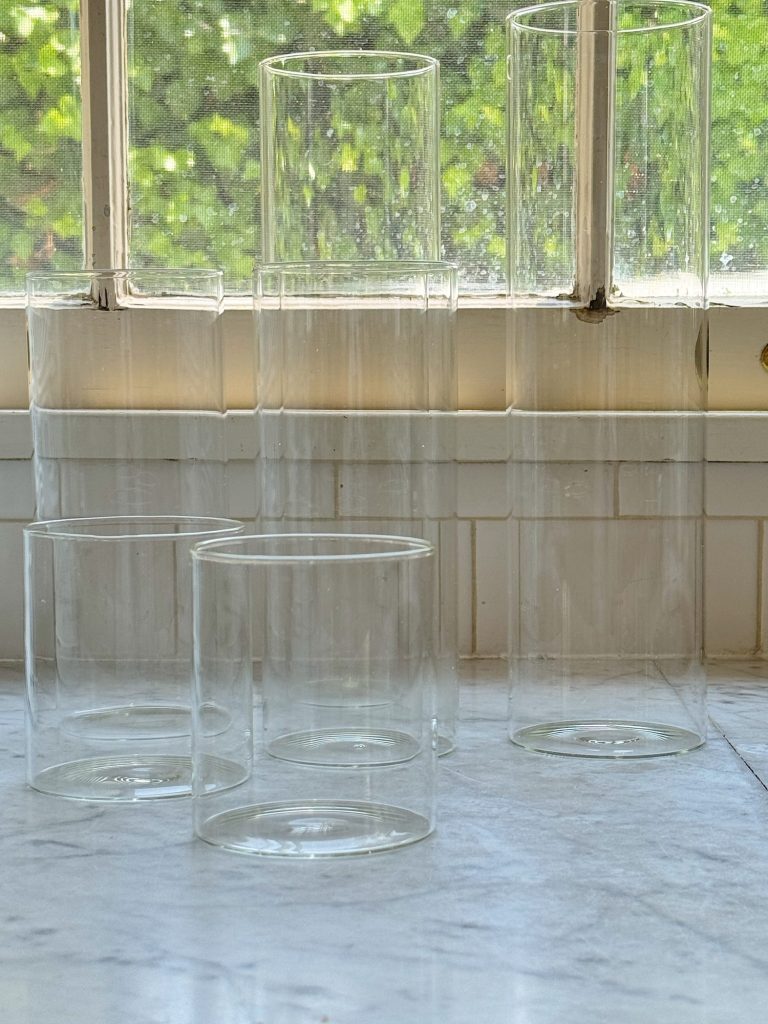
(555, 891)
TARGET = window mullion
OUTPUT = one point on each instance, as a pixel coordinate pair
(595, 114)
(103, 43)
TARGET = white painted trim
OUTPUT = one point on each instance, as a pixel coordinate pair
(15, 434)
(595, 115)
(480, 436)
(103, 49)
(737, 436)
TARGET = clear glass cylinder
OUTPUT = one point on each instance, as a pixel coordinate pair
(338, 755)
(108, 618)
(350, 156)
(357, 401)
(126, 392)
(654, 69)
(608, 385)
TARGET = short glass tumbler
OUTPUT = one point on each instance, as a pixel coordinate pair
(350, 156)
(338, 754)
(108, 608)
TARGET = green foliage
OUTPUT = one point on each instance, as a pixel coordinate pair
(40, 159)
(195, 172)
(740, 136)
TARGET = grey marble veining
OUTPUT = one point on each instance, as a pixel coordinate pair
(739, 711)
(555, 890)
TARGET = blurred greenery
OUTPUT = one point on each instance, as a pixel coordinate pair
(194, 162)
(41, 222)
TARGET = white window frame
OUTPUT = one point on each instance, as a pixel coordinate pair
(104, 85)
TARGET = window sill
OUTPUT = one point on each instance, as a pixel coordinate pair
(737, 337)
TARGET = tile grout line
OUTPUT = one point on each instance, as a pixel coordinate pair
(760, 574)
(473, 583)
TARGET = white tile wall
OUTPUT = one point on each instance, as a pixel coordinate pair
(312, 489)
(376, 490)
(738, 489)
(732, 580)
(493, 547)
(15, 434)
(608, 586)
(556, 490)
(11, 590)
(483, 491)
(660, 488)
(737, 504)
(242, 489)
(465, 553)
(84, 617)
(17, 493)
(763, 594)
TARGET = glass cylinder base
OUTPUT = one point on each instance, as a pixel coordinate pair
(607, 738)
(130, 778)
(117, 778)
(314, 828)
(345, 747)
(445, 745)
(608, 708)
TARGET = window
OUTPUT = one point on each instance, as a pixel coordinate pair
(189, 99)
(193, 130)
(194, 119)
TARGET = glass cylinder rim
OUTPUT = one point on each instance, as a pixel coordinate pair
(84, 528)
(368, 268)
(700, 14)
(117, 272)
(383, 548)
(424, 65)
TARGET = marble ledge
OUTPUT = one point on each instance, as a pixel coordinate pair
(554, 890)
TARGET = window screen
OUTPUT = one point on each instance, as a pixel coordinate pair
(194, 119)
(194, 124)
(41, 223)
(194, 161)
(739, 196)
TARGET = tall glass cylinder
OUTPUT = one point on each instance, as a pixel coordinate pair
(607, 375)
(126, 392)
(357, 400)
(350, 156)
